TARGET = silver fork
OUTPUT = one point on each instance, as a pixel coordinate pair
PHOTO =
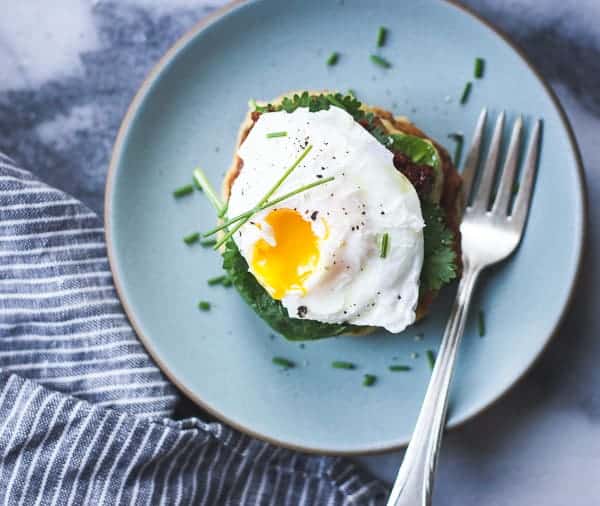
(487, 238)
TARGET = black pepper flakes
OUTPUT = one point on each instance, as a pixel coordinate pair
(314, 215)
(301, 311)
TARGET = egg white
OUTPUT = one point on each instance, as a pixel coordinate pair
(368, 197)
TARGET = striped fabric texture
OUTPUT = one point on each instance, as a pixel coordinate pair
(84, 412)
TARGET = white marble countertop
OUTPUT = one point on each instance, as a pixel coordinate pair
(67, 80)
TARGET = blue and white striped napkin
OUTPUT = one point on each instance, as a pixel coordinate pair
(84, 412)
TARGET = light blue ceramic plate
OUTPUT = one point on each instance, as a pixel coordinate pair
(187, 113)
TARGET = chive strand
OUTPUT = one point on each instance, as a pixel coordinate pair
(381, 36)
(458, 148)
(266, 205)
(223, 211)
(283, 362)
(479, 68)
(266, 197)
(202, 181)
(217, 280)
(184, 190)
(466, 92)
(430, 358)
(191, 238)
(332, 59)
(208, 242)
(340, 364)
(399, 368)
(481, 323)
(272, 135)
(382, 62)
(385, 244)
(204, 305)
(369, 380)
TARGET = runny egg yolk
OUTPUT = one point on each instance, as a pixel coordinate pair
(286, 266)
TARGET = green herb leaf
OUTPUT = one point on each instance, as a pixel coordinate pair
(381, 36)
(439, 262)
(399, 368)
(340, 364)
(466, 92)
(419, 150)
(283, 362)
(204, 305)
(333, 59)
(369, 380)
(191, 238)
(479, 67)
(184, 190)
(269, 309)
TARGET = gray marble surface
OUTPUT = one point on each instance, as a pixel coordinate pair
(68, 72)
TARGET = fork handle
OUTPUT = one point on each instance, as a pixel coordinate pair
(414, 482)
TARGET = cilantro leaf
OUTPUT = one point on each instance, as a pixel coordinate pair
(439, 262)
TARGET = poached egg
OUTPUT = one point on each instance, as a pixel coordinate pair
(319, 252)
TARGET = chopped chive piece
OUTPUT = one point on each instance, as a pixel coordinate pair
(208, 242)
(283, 362)
(459, 139)
(202, 181)
(481, 323)
(218, 280)
(479, 67)
(272, 135)
(466, 92)
(191, 238)
(333, 58)
(204, 305)
(369, 380)
(227, 282)
(384, 246)
(266, 205)
(223, 211)
(184, 190)
(515, 187)
(399, 368)
(266, 197)
(430, 358)
(339, 364)
(382, 62)
(381, 36)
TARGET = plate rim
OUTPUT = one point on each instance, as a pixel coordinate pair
(117, 149)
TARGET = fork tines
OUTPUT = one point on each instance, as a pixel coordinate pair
(507, 185)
